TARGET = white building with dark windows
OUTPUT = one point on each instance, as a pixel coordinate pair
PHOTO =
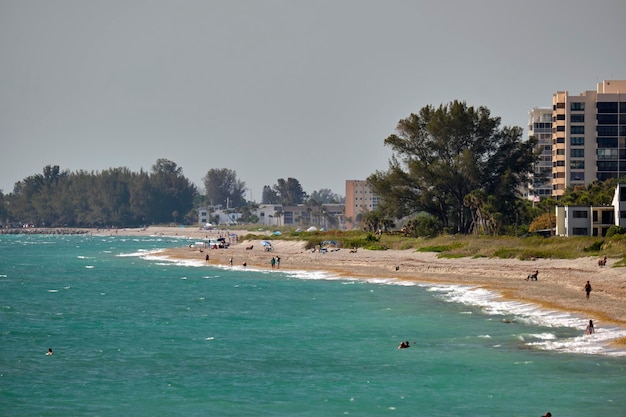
(592, 220)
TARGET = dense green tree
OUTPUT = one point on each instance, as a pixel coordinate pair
(170, 190)
(597, 193)
(113, 197)
(326, 196)
(442, 155)
(269, 196)
(223, 188)
(290, 192)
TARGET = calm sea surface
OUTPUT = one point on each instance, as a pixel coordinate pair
(134, 335)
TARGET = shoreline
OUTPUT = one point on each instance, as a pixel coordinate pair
(560, 284)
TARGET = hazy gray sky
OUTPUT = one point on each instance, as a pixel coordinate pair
(276, 89)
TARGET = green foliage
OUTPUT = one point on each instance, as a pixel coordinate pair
(424, 225)
(615, 230)
(113, 197)
(223, 188)
(598, 193)
(289, 192)
(458, 246)
(442, 155)
(595, 246)
(441, 248)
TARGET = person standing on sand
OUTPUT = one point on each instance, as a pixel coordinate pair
(588, 289)
(273, 262)
(278, 262)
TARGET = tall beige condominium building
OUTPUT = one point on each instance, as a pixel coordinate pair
(359, 199)
(540, 126)
(588, 136)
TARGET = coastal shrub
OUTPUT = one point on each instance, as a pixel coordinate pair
(450, 255)
(440, 248)
(530, 254)
(506, 253)
(594, 247)
(375, 247)
(615, 230)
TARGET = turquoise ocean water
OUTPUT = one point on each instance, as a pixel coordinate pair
(135, 335)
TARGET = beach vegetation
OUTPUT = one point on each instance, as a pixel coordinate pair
(116, 197)
(456, 163)
(615, 230)
(287, 192)
(223, 188)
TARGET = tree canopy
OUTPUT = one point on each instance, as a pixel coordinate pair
(287, 192)
(223, 188)
(456, 163)
(113, 197)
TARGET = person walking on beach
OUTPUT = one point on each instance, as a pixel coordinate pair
(588, 289)
(230, 261)
(589, 329)
(273, 262)
(278, 262)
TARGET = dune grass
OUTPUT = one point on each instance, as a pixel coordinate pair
(457, 246)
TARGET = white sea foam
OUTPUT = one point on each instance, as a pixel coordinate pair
(144, 253)
(490, 303)
(493, 304)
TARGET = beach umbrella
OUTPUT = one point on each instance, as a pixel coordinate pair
(312, 229)
(266, 243)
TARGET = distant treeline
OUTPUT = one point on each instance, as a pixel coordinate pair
(114, 197)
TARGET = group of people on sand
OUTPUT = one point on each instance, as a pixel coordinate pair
(275, 262)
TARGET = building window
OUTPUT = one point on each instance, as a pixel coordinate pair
(577, 141)
(577, 164)
(607, 119)
(606, 130)
(577, 118)
(607, 166)
(607, 142)
(577, 130)
(607, 107)
(577, 106)
(610, 154)
(580, 214)
(577, 153)
(577, 176)
(560, 151)
(580, 231)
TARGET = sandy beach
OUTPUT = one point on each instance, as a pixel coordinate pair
(560, 284)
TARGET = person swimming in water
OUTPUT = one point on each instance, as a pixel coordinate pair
(49, 352)
(404, 345)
